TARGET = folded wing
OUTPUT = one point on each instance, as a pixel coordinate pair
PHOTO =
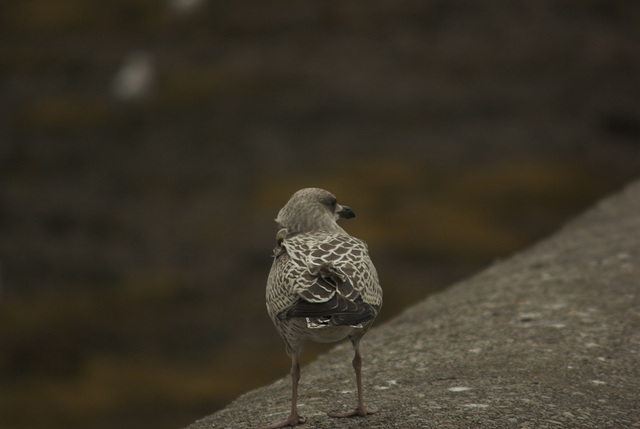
(330, 283)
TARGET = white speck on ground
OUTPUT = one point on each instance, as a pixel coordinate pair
(459, 388)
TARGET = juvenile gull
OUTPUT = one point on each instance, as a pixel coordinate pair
(322, 286)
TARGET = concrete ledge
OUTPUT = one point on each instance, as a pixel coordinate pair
(547, 338)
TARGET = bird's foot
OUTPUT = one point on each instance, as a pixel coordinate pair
(292, 420)
(359, 412)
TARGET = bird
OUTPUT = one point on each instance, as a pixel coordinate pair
(322, 286)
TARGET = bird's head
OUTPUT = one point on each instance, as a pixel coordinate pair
(312, 209)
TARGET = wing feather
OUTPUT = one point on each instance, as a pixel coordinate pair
(333, 280)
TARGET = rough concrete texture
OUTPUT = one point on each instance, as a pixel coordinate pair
(547, 338)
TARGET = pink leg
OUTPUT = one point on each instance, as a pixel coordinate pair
(293, 419)
(361, 410)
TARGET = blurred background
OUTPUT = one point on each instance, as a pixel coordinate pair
(147, 145)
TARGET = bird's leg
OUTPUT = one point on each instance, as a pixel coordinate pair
(361, 410)
(294, 418)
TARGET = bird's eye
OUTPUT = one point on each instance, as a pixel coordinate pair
(330, 201)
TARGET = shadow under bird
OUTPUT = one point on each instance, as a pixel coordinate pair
(322, 286)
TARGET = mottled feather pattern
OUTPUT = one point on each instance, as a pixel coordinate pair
(326, 278)
(322, 286)
(326, 255)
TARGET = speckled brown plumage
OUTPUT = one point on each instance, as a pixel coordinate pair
(322, 286)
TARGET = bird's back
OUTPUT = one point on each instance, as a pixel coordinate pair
(322, 281)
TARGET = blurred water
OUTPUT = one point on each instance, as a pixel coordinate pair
(136, 233)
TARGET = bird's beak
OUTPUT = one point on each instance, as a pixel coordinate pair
(345, 212)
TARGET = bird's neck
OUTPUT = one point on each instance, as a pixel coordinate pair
(331, 228)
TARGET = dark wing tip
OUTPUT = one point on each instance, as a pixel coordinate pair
(338, 311)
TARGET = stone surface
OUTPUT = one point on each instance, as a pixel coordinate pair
(547, 338)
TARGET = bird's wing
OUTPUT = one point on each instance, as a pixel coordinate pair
(332, 279)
